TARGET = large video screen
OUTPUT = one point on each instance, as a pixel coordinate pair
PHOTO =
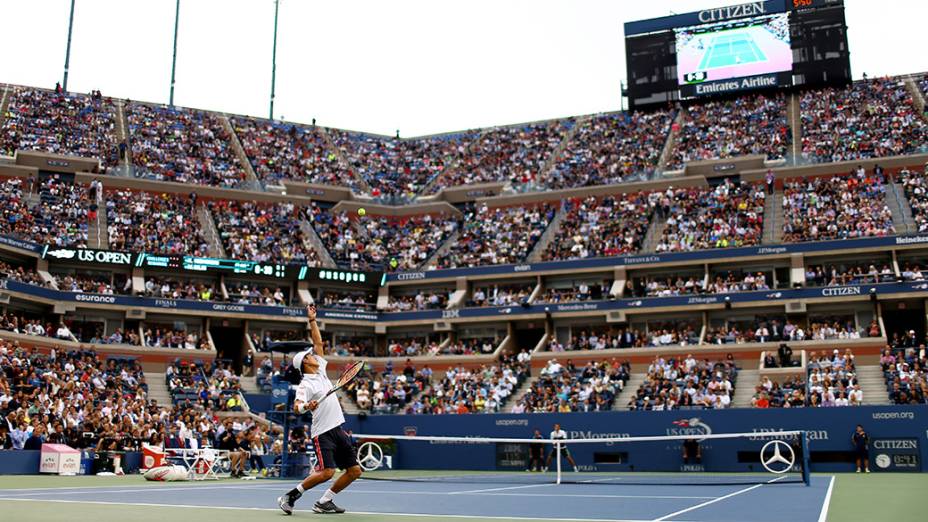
(735, 49)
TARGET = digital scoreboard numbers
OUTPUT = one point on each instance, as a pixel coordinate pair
(204, 264)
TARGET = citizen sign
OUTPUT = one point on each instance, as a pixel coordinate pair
(895, 444)
(732, 11)
(842, 290)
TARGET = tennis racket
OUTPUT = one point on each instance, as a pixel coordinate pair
(347, 376)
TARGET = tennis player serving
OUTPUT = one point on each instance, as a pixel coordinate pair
(332, 445)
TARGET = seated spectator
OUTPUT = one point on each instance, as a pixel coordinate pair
(474, 346)
(867, 119)
(752, 124)
(835, 208)
(423, 300)
(182, 145)
(915, 186)
(772, 394)
(96, 283)
(609, 226)
(497, 236)
(849, 274)
(611, 148)
(22, 274)
(500, 295)
(355, 300)
(582, 291)
(742, 282)
(171, 288)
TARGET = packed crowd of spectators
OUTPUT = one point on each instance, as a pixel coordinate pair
(610, 149)
(912, 271)
(666, 286)
(833, 380)
(678, 383)
(753, 124)
(839, 207)
(597, 227)
(385, 243)
(263, 232)
(345, 346)
(482, 390)
(394, 167)
(156, 223)
(286, 152)
(791, 393)
(389, 391)
(868, 119)
(353, 300)
(905, 368)
(17, 323)
(567, 388)
(182, 145)
(657, 334)
(728, 215)
(60, 123)
(915, 185)
(514, 154)
(214, 385)
(496, 236)
(842, 274)
(58, 218)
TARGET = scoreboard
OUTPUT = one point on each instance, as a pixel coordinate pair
(750, 46)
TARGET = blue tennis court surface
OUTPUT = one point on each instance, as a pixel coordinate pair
(731, 49)
(763, 502)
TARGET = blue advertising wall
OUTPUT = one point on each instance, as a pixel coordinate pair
(830, 429)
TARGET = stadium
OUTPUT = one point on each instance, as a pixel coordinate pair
(706, 306)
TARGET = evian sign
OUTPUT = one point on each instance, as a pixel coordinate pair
(733, 11)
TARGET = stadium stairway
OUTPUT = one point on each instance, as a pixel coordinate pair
(748, 379)
(873, 384)
(453, 167)
(773, 218)
(916, 93)
(157, 388)
(312, 241)
(635, 380)
(4, 101)
(655, 230)
(795, 124)
(519, 394)
(249, 385)
(899, 206)
(549, 234)
(343, 160)
(670, 141)
(122, 131)
(210, 232)
(97, 236)
(442, 250)
(239, 150)
(556, 154)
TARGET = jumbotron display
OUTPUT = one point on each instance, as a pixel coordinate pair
(722, 51)
(757, 45)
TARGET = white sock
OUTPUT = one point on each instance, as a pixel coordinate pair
(299, 487)
(329, 495)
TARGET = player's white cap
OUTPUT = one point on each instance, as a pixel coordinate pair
(298, 360)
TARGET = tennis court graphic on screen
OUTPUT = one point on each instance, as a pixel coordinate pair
(751, 47)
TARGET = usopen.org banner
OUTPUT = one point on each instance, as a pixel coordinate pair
(747, 83)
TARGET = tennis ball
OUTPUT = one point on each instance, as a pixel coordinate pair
(362, 212)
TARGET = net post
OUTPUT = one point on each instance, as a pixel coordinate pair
(806, 472)
(557, 450)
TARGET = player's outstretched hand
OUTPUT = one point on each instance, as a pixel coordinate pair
(311, 312)
(311, 405)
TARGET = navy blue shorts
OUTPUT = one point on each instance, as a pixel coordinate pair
(334, 449)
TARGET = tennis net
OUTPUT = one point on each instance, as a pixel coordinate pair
(708, 459)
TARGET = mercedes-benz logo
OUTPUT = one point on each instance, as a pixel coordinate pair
(370, 456)
(777, 461)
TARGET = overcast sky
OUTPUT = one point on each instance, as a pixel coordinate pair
(421, 66)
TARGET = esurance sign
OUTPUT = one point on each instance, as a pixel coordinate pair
(87, 255)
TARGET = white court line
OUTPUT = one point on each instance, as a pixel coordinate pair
(40, 491)
(372, 513)
(824, 514)
(498, 489)
(713, 501)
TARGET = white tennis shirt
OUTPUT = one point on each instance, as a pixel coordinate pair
(328, 414)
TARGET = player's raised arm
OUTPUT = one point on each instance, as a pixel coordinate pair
(314, 331)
